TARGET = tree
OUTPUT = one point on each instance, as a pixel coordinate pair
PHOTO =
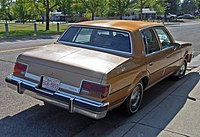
(19, 9)
(78, 8)
(189, 6)
(66, 7)
(157, 5)
(91, 5)
(173, 6)
(5, 9)
(198, 5)
(40, 10)
(24, 10)
(118, 7)
(103, 8)
(48, 5)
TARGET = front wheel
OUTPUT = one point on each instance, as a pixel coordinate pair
(180, 73)
(133, 102)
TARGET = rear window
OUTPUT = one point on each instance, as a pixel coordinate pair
(108, 39)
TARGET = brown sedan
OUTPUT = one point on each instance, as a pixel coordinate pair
(96, 66)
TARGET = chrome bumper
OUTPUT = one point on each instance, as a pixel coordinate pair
(73, 103)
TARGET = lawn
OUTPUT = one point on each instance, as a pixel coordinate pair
(18, 29)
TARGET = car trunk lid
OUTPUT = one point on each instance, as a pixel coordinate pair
(70, 64)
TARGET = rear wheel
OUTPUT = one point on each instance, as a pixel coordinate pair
(180, 73)
(133, 102)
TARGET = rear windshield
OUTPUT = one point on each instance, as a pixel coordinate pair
(108, 39)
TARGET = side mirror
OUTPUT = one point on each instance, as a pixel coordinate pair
(176, 45)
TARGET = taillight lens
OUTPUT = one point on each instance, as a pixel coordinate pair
(95, 89)
(20, 69)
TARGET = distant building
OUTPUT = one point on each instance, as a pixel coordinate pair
(147, 13)
(58, 16)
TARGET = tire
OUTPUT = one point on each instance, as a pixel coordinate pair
(133, 102)
(180, 73)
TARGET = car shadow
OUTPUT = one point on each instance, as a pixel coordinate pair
(48, 120)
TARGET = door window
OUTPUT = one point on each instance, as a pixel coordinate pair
(150, 42)
(163, 37)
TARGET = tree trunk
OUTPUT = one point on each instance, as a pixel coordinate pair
(120, 9)
(47, 14)
(92, 15)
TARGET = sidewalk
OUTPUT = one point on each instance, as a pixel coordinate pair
(173, 110)
(23, 38)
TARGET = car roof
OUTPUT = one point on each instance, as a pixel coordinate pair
(120, 24)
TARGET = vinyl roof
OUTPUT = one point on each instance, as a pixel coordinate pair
(120, 24)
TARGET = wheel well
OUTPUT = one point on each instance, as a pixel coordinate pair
(145, 81)
(187, 57)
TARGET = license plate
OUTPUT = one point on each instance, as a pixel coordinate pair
(50, 83)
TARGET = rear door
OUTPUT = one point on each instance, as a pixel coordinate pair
(154, 55)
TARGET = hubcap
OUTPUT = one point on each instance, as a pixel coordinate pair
(182, 69)
(135, 98)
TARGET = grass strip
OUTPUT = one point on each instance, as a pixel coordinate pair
(28, 29)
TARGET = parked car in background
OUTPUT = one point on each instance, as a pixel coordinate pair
(186, 16)
(20, 21)
(169, 16)
(96, 66)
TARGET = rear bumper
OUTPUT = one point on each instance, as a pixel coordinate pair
(73, 103)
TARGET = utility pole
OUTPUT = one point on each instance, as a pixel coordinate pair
(141, 7)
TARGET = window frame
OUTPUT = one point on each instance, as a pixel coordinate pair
(123, 53)
(169, 36)
(156, 38)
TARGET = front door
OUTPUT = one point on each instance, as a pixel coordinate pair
(172, 54)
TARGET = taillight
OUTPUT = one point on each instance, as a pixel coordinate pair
(95, 89)
(20, 69)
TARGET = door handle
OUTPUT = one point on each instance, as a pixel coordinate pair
(151, 63)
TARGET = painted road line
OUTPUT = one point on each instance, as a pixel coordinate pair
(13, 50)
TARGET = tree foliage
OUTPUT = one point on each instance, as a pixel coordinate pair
(173, 6)
(5, 6)
(189, 6)
(23, 10)
(40, 9)
(66, 6)
(198, 5)
(119, 7)
(92, 6)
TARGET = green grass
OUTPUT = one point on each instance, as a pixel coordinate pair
(28, 29)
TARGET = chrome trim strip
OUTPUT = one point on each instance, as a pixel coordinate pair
(152, 53)
(69, 88)
(162, 50)
(63, 94)
(119, 89)
(32, 76)
(166, 48)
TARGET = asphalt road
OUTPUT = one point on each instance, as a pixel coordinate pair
(23, 116)
(188, 32)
